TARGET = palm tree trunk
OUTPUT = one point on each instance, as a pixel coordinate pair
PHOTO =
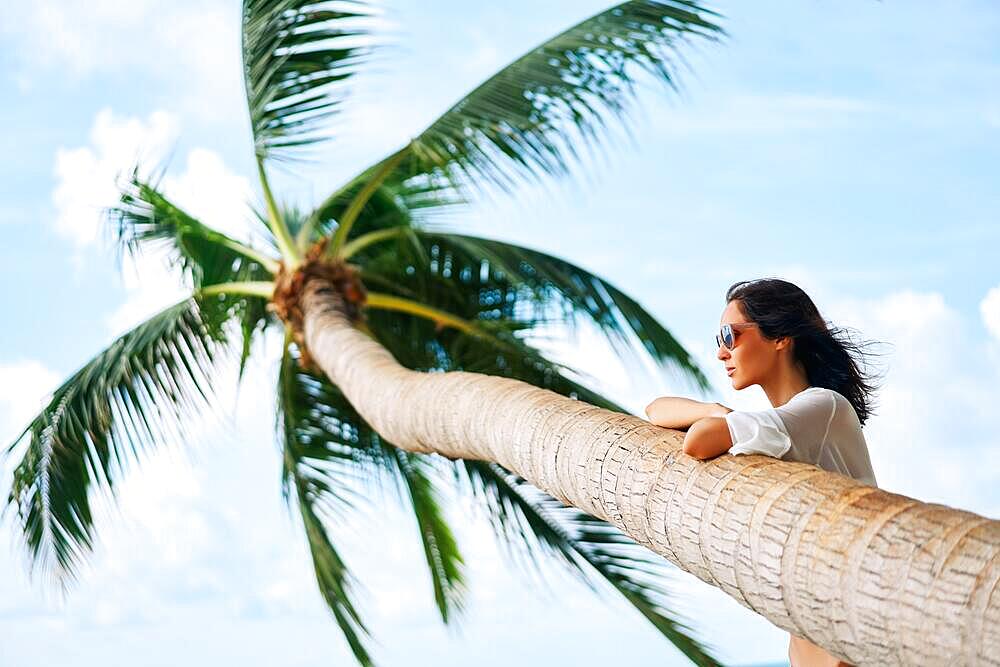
(873, 577)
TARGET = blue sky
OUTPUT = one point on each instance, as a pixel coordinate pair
(849, 147)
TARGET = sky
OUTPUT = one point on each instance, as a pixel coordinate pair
(849, 147)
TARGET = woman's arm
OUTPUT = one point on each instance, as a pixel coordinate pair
(679, 413)
(707, 438)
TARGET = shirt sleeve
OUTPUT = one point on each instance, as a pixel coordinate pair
(758, 432)
(801, 425)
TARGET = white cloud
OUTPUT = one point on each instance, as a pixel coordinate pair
(150, 286)
(213, 194)
(989, 309)
(75, 30)
(24, 386)
(191, 49)
(486, 58)
(166, 541)
(88, 182)
(87, 175)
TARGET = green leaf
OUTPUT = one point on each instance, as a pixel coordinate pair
(483, 279)
(322, 446)
(297, 56)
(594, 551)
(528, 120)
(145, 219)
(333, 453)
(329, 430)
(417, 344)
(129, 398)
(391, 205)
(440, 547)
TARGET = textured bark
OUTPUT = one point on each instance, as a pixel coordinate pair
(873, 577)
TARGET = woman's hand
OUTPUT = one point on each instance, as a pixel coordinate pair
(679, 413)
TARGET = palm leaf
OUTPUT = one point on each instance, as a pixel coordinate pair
(578, 292)
(321, 454)
(297, 56)
(145, 219)
(330, 455)
(593, 550)
(130, 397)
(527, 121)
(483, 279)
(419, 344)
(397, 204)
(440, 547)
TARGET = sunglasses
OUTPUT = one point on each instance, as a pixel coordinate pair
(727, 334)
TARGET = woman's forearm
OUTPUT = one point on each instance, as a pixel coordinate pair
(678, 412)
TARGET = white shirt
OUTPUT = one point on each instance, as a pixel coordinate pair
(817, 426)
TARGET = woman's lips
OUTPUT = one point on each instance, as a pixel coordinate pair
(730, 371)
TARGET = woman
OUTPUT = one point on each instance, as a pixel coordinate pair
(772, 335)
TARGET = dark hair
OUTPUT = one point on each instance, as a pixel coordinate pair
(830, 357)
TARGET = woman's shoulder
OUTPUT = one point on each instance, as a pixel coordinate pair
(829, 396)
(816, 395)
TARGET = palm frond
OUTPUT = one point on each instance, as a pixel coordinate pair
(527, 121)
(332, 440)
(321, 446)
(593, 550)
(418, 343)
(129, 398)
(416, 474)
(297, 56)
(398, 204)
(578, 292)
(145, 219)
(487, 280)
(331, 455)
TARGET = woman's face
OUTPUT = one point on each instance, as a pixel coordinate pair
(752, 357)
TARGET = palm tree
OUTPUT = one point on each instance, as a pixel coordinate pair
(437, 300)
(871, 576)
